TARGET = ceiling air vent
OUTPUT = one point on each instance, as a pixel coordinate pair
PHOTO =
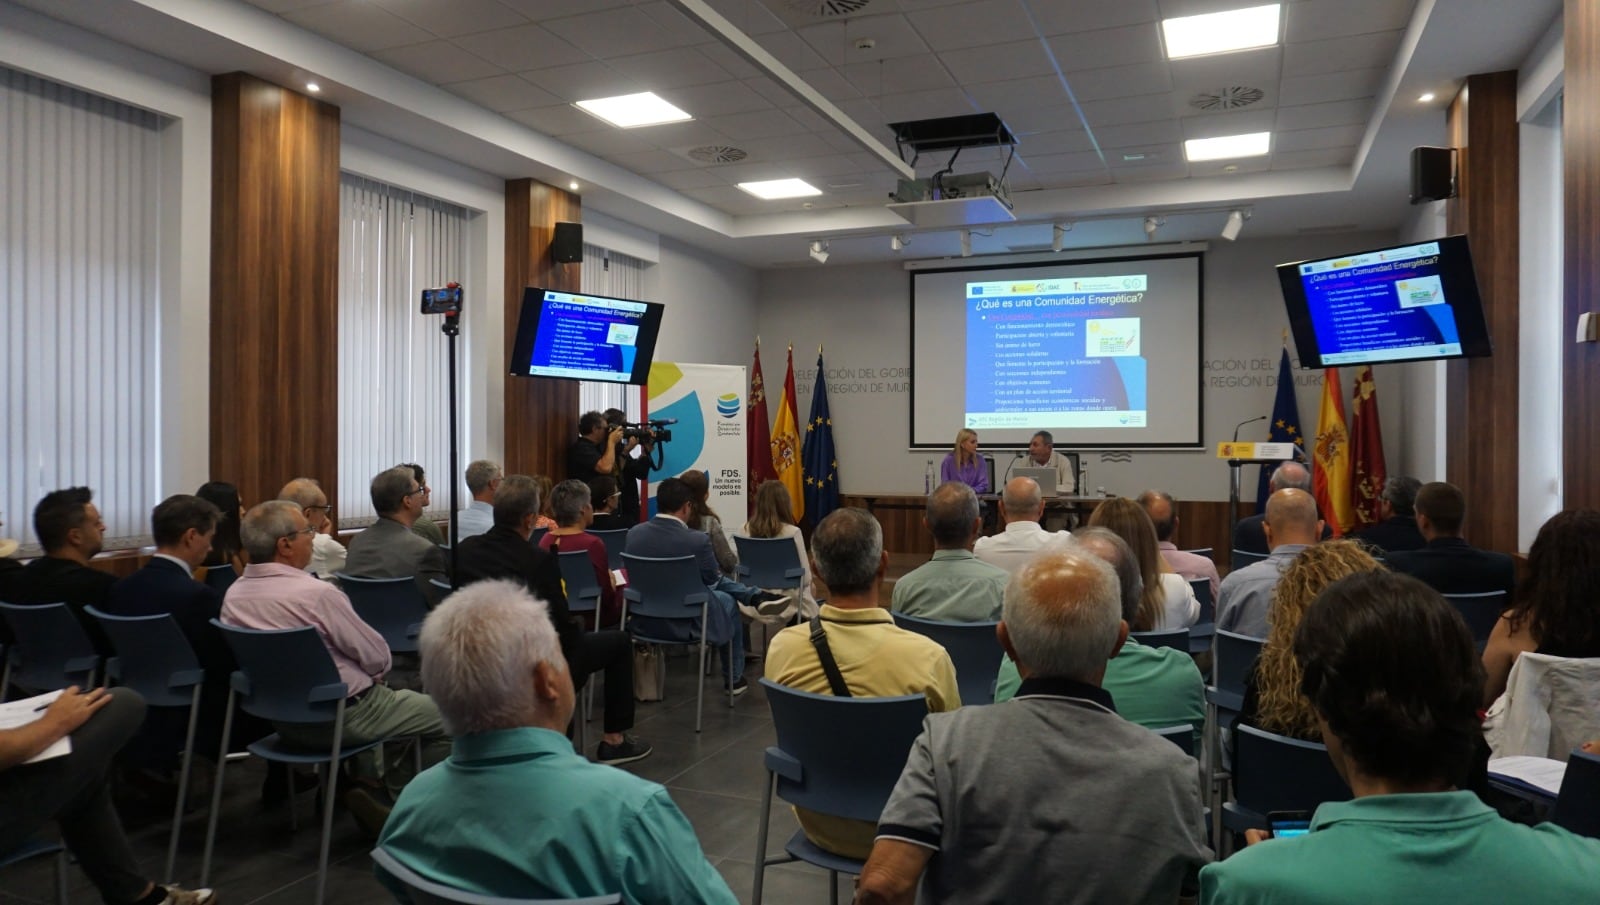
(717, 154)
(1232, 97)
(827, 9)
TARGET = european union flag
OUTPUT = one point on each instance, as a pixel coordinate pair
(817, 457)
(1285, 427)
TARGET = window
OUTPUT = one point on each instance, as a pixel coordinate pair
(80, 243)
(393, 382)
(619, 276)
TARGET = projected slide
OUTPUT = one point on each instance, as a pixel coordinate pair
(1381, 306)
(1055, 354)
(586, 338)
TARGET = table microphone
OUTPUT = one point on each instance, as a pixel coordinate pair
(1019, 458)
(1243, 423)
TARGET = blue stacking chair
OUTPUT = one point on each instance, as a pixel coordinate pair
(772, 563)
(1231, 658)
(1241, 558)
(582, 587)
(1277, 773)
(1177, 639)
(669, 589)
(1202, 551)
(537, 536)
(422, 891)
(1200, 633)
(615, 541)
(156, 660)
(221, 577)
(973, 647)
(1578, 806)
(39, 848)
(51, 649)
(1481, 611)
(835, 756)
(394, 607)
(1182, 736)
(288, 676)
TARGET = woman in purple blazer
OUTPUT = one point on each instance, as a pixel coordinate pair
(964, 464)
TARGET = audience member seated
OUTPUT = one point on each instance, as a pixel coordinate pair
(1557, 607)
(483, 479)
(1448, 564)
(1292, 525)
(1248, 534)
(875, 657)
(72, 792)
(703, 518)
(388, 548)
(1272, 698)
(1021, 506)
(1169, 601)
(954, 585)
(544, 518)
(1396, 529)
(514, 812)
(669, 535)
(1155, 687)
(774, 517)
(570, 502)
(1163, 512)
(1051, 795)
(603, 496)
(226, 548)
(503, 552)
(70, 530)
(327, 554)
(1394, 678)
(425, 527)
(275, 592)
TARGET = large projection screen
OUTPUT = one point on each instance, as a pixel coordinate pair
(1101, 353)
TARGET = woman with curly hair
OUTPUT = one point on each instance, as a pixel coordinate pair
(1272, 698)
(1169, 601)
(1557, 608)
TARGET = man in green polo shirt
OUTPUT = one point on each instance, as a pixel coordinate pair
(1396, 682)
(954, 585)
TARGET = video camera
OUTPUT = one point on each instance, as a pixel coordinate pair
(651, 431)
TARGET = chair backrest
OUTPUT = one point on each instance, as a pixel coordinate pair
(426, 892)
(973, 647)
(615, 540)
(285, 675)
(582, 587)
(1231, 656)
(1481, 611)
(221, 577)
(394, 607)
(1177, 639)
(1203, 551)
(1242, 558)
(1182, 736)
(538, 535)
(818, 773)
(51, 648)
(1208, 605)
(1578, 806)
(1277, 773)
(769, 562)
(664, 587)
(153, 658)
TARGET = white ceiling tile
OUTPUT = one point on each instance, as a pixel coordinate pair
(538, 10)
(1311, 20)
(1311, 116)
(1065, 163)
(359, 24)
(716, 99)
(756, 170)
(285, 6)
(756, 124)
(503, 92)
(772, 91)
(790, 50)
(681, 135)
(1374, 51)
(522, 48)
(829, 83)
(998, 62)
(1160, 172)
(1059, 17)
(1018, 94)
(810, 120)
(1206, 169)
(1068, 138)
(842, 142)
(690, 179)
(584, 81)
(867, 115)
(652, 162)
(617, 32)
(1107, 47)
(609, 141)
(840, 166)
(560, 119)
(1145, 156)
(1120, 81)
(1151, 133)
(1331, 86)
(1076, 180)
(1308, 139)
(1122, 111)
(891, 36)
(670, 68)
(673, 25)
(450, 18)
(1255, 68)
(788, 147)
(438, 62)
(1317, 157)
(925, 104)
(972, 24)
(750, 18)
(1027, 121)
(1238, 122)
(897, 76)
(731, 63)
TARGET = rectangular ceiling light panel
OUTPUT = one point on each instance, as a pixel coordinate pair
(1236, 29)
(629, 111)
(1223, 147)
(773, 189)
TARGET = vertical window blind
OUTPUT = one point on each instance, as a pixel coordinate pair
(607, 273)
(80, 242)
(393, 375)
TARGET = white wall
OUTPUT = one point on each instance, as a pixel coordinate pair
(861, 315)
(1541, 335)
(1421, 451)
(710, 314)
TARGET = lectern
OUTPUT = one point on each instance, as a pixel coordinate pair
(1239, 455)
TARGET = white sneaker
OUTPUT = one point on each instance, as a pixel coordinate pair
(177, 895)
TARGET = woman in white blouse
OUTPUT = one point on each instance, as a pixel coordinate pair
(774, 517)
(1169, 602)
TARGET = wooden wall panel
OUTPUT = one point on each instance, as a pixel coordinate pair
(274, 287)
(1481, 393)
(1580, 138)
(541, 414)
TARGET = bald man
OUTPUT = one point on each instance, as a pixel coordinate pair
(1291, 526)
(1021, 506)
(1249, 535)
(327, 554)
(1163, 512)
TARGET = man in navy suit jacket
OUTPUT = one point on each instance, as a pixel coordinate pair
(1448, 563)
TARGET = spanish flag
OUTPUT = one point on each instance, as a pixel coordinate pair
(1330, 477)
(786, 444)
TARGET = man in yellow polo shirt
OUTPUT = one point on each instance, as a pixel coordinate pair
(875, 657)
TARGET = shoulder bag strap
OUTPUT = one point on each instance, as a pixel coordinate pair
(819, 640)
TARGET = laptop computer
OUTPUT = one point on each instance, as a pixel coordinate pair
(1046, 478)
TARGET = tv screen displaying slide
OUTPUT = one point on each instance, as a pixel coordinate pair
(1408, 303)
(1100, 353)
(585, 337)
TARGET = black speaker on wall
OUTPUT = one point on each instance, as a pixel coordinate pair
(566, 246)
(1433, 174)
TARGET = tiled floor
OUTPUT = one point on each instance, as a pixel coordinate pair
(716, 777)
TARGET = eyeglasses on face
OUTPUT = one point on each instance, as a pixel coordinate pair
(307, 530)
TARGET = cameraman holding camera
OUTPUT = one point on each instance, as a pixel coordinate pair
(603, 447)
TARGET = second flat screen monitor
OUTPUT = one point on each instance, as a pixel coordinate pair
(577, 336)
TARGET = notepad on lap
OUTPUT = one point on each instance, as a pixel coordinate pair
(16, 714)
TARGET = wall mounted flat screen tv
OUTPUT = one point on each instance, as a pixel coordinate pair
(577, 336)
(1408, 303)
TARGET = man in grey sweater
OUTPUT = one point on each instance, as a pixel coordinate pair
(1051, 795)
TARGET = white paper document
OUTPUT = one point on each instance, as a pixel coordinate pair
(1539, 772)
(15, 714)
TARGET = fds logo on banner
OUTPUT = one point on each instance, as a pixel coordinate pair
(707, 401)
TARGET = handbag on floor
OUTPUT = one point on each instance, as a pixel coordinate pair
(647, 673)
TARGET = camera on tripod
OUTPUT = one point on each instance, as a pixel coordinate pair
(654, 430)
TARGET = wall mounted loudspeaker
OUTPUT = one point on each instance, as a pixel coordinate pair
(566, 246)
(1433, 174)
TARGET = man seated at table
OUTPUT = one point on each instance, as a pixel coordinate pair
(1021, 506)
(72, 533)
(954, 585)
(514, 812)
